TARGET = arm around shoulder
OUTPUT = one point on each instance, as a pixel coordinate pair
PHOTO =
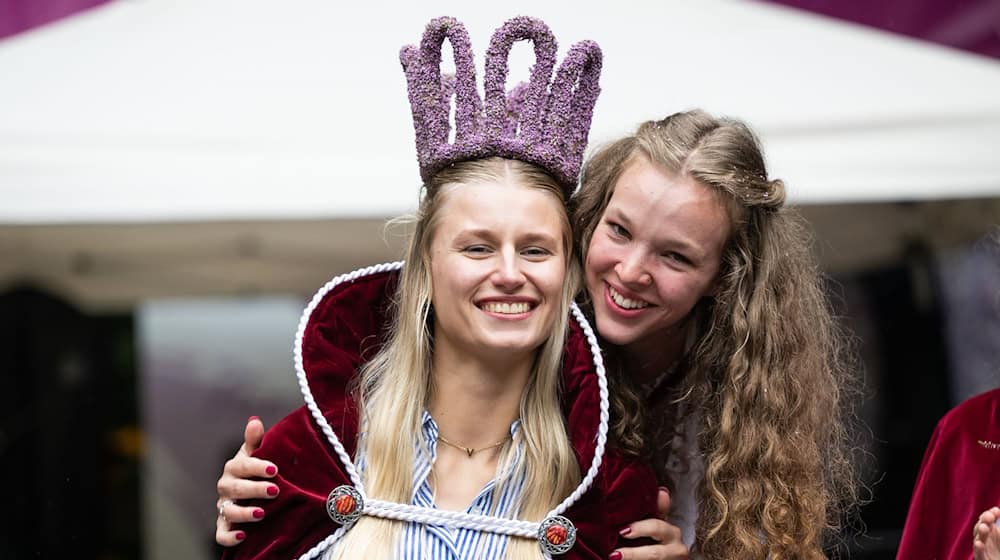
(296, 519)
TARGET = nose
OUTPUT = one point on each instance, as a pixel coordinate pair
(508, 274)
(631, 270)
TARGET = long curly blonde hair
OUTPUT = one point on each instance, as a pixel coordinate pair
(770, 373)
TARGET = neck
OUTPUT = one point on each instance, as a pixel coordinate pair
(647, 359)
(474, 401)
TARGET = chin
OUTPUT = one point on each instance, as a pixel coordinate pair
(514, 346)
(614, 333)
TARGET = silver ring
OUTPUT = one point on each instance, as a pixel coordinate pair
(222, 508)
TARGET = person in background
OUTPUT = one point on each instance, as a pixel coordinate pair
(956, 488)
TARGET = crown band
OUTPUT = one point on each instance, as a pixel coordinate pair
(544, 122)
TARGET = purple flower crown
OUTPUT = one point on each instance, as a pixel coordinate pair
(537, 122)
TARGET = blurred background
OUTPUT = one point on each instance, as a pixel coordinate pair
(177, 177)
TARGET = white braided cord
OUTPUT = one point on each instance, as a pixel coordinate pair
(602, 424)
(418, 514)
(300, 370)
(315, 551)
(451, 519)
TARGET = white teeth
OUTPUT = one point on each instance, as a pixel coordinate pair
(506, 308)
(625, 302)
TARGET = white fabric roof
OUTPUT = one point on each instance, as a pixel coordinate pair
(221, 109)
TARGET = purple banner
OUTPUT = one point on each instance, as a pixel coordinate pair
(970, 25)
(21, 15)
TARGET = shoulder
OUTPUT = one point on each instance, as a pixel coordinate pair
(969, 431)
(296, 518)
(955, 482)
(304, 456)
(624, 489)
(631, 488)
(981, 410)
(623, 492)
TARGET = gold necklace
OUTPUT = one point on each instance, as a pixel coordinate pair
(471, 450)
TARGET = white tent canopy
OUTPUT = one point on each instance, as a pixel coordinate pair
(196, 110)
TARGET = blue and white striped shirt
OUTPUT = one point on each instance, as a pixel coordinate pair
(420, 541)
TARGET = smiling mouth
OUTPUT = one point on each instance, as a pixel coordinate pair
(624, 302)
(506, 308)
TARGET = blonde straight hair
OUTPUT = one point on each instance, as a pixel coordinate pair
(395, 386)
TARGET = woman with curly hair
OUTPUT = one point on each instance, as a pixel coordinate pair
(713, 315)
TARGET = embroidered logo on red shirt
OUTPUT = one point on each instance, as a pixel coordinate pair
(989, 444)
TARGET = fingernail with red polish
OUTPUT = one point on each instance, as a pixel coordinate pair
(271, 470)
(625, 531)
(240, 535)
(665, 489)
(258, 513)
(252, 418)
(616, 555)
(272, 490)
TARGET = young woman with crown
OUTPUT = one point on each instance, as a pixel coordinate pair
(434, 425)
(717, 331)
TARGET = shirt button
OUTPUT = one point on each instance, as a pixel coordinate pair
(476, 510)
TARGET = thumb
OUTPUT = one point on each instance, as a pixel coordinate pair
(253, 434)
(663, 502)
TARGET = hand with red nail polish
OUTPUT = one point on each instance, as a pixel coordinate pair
(240, 480)
(668, 542)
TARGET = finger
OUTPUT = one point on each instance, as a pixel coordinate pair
(663, 502)
(676, 551)
(245, 466)
(235, 513)
(253, 434)
(982, 531)
(225, 534)
(232, 488)
(656, 529)
(229, 538)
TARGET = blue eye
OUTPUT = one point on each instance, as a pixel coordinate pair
(477, 250)
(536, 252)
(677, 257)
(618, 230)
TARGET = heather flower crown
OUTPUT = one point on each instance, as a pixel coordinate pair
(538, 122)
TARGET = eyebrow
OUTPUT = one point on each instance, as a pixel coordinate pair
(531, 237)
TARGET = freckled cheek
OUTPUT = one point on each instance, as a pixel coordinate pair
(666, 280)
(600, 259)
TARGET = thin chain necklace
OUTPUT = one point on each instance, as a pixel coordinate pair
(470, 451)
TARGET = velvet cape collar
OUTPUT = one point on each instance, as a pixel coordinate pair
(345, 329)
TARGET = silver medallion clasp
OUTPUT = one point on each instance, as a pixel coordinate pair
(556, 534)
(344, 504)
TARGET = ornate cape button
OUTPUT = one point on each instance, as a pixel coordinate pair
(556, 534)
(344, 505)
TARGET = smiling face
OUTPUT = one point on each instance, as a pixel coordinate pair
(654, 254)
(498, 263)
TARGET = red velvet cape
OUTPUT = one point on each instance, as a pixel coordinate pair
(344, 329)
(958, 479)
